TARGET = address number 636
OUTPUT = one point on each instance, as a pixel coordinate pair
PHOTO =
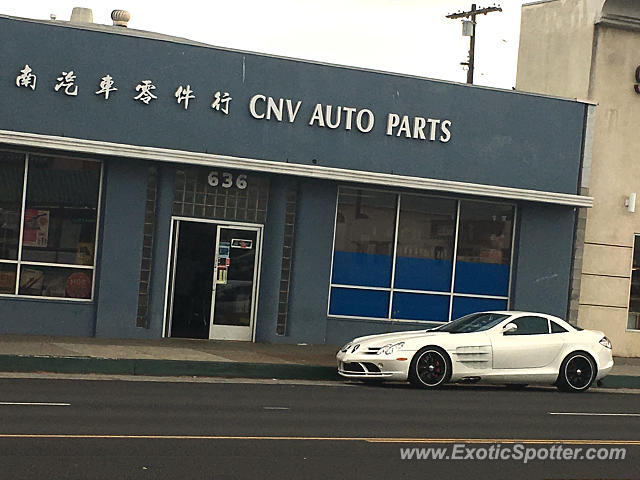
(227, 180)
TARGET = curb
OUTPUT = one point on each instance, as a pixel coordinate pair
(177, 368)
(619, 381)
(193, 368)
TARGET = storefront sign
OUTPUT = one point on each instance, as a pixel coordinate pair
(238, 112)
(334, 117)
(66, 84)
(261, 107)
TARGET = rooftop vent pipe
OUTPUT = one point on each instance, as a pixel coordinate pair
(81, 15)
(120, 18)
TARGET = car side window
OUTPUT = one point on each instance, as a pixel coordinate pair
(530, 326)
(555, 328)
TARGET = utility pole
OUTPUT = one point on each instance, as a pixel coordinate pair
(471, 14)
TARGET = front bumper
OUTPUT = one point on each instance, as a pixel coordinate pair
(357, 365)
(605, 362)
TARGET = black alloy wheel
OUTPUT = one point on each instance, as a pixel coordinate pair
(577, 373)
(430, 368)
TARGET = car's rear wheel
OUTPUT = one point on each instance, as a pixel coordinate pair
(577, 373)
(430, 368)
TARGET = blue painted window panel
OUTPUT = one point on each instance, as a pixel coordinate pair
(420, 306)
(359, 303)
(364, 269)
(482, 278)
(423, 274)
(465, 305)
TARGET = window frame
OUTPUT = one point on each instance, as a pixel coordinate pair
(19, 262)
(629, 312)
(451, 294)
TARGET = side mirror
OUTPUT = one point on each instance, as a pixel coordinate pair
(509, 327)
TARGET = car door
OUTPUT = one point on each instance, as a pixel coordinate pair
(530, 346)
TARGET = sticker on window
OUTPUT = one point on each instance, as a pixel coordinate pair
(239, 243)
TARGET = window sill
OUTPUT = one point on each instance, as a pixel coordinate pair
(7, 296)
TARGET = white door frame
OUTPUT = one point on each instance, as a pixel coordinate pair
(233, 332)
(172, 262)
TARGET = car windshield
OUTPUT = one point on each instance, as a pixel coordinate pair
(475, 322)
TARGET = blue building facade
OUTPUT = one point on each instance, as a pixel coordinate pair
(150, 187)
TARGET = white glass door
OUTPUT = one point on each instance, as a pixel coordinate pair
(235, 279)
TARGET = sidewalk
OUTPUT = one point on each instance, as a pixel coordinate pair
(166, 357)
(185, 357)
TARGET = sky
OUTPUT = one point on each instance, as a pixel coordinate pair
(402, 36)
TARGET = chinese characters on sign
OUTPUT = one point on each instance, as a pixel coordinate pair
(636, 86)
(26, 79)
(145, 95)
(106, 86)
(66, 83)
(221, 103)
(184, 94)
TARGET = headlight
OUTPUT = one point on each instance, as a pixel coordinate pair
(346, 347)
(605, 342)
(390, 348)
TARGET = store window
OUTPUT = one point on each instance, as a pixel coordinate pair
(394, 256)
(48, 225)
(363, 252)
(633, 321)
(483, 256)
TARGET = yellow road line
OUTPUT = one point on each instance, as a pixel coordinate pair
(332, 439)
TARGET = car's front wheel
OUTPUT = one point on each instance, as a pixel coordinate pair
(577, 373)
(430, 368)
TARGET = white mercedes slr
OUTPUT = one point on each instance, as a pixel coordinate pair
(513, 348)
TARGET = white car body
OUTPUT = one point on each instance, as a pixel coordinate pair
(490, 356)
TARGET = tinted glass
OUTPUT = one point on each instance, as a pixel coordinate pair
(633, 322)
(530, 326)
(8, 277)
(61, 211)
(426, 233)
(420, 306)
(11, 185)
(55, 281)
(476, 322)
(555, 328)
(359, 303)
(234, 277)
(484, 248)
(365, 230)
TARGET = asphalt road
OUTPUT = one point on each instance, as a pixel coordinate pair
(115, 430)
